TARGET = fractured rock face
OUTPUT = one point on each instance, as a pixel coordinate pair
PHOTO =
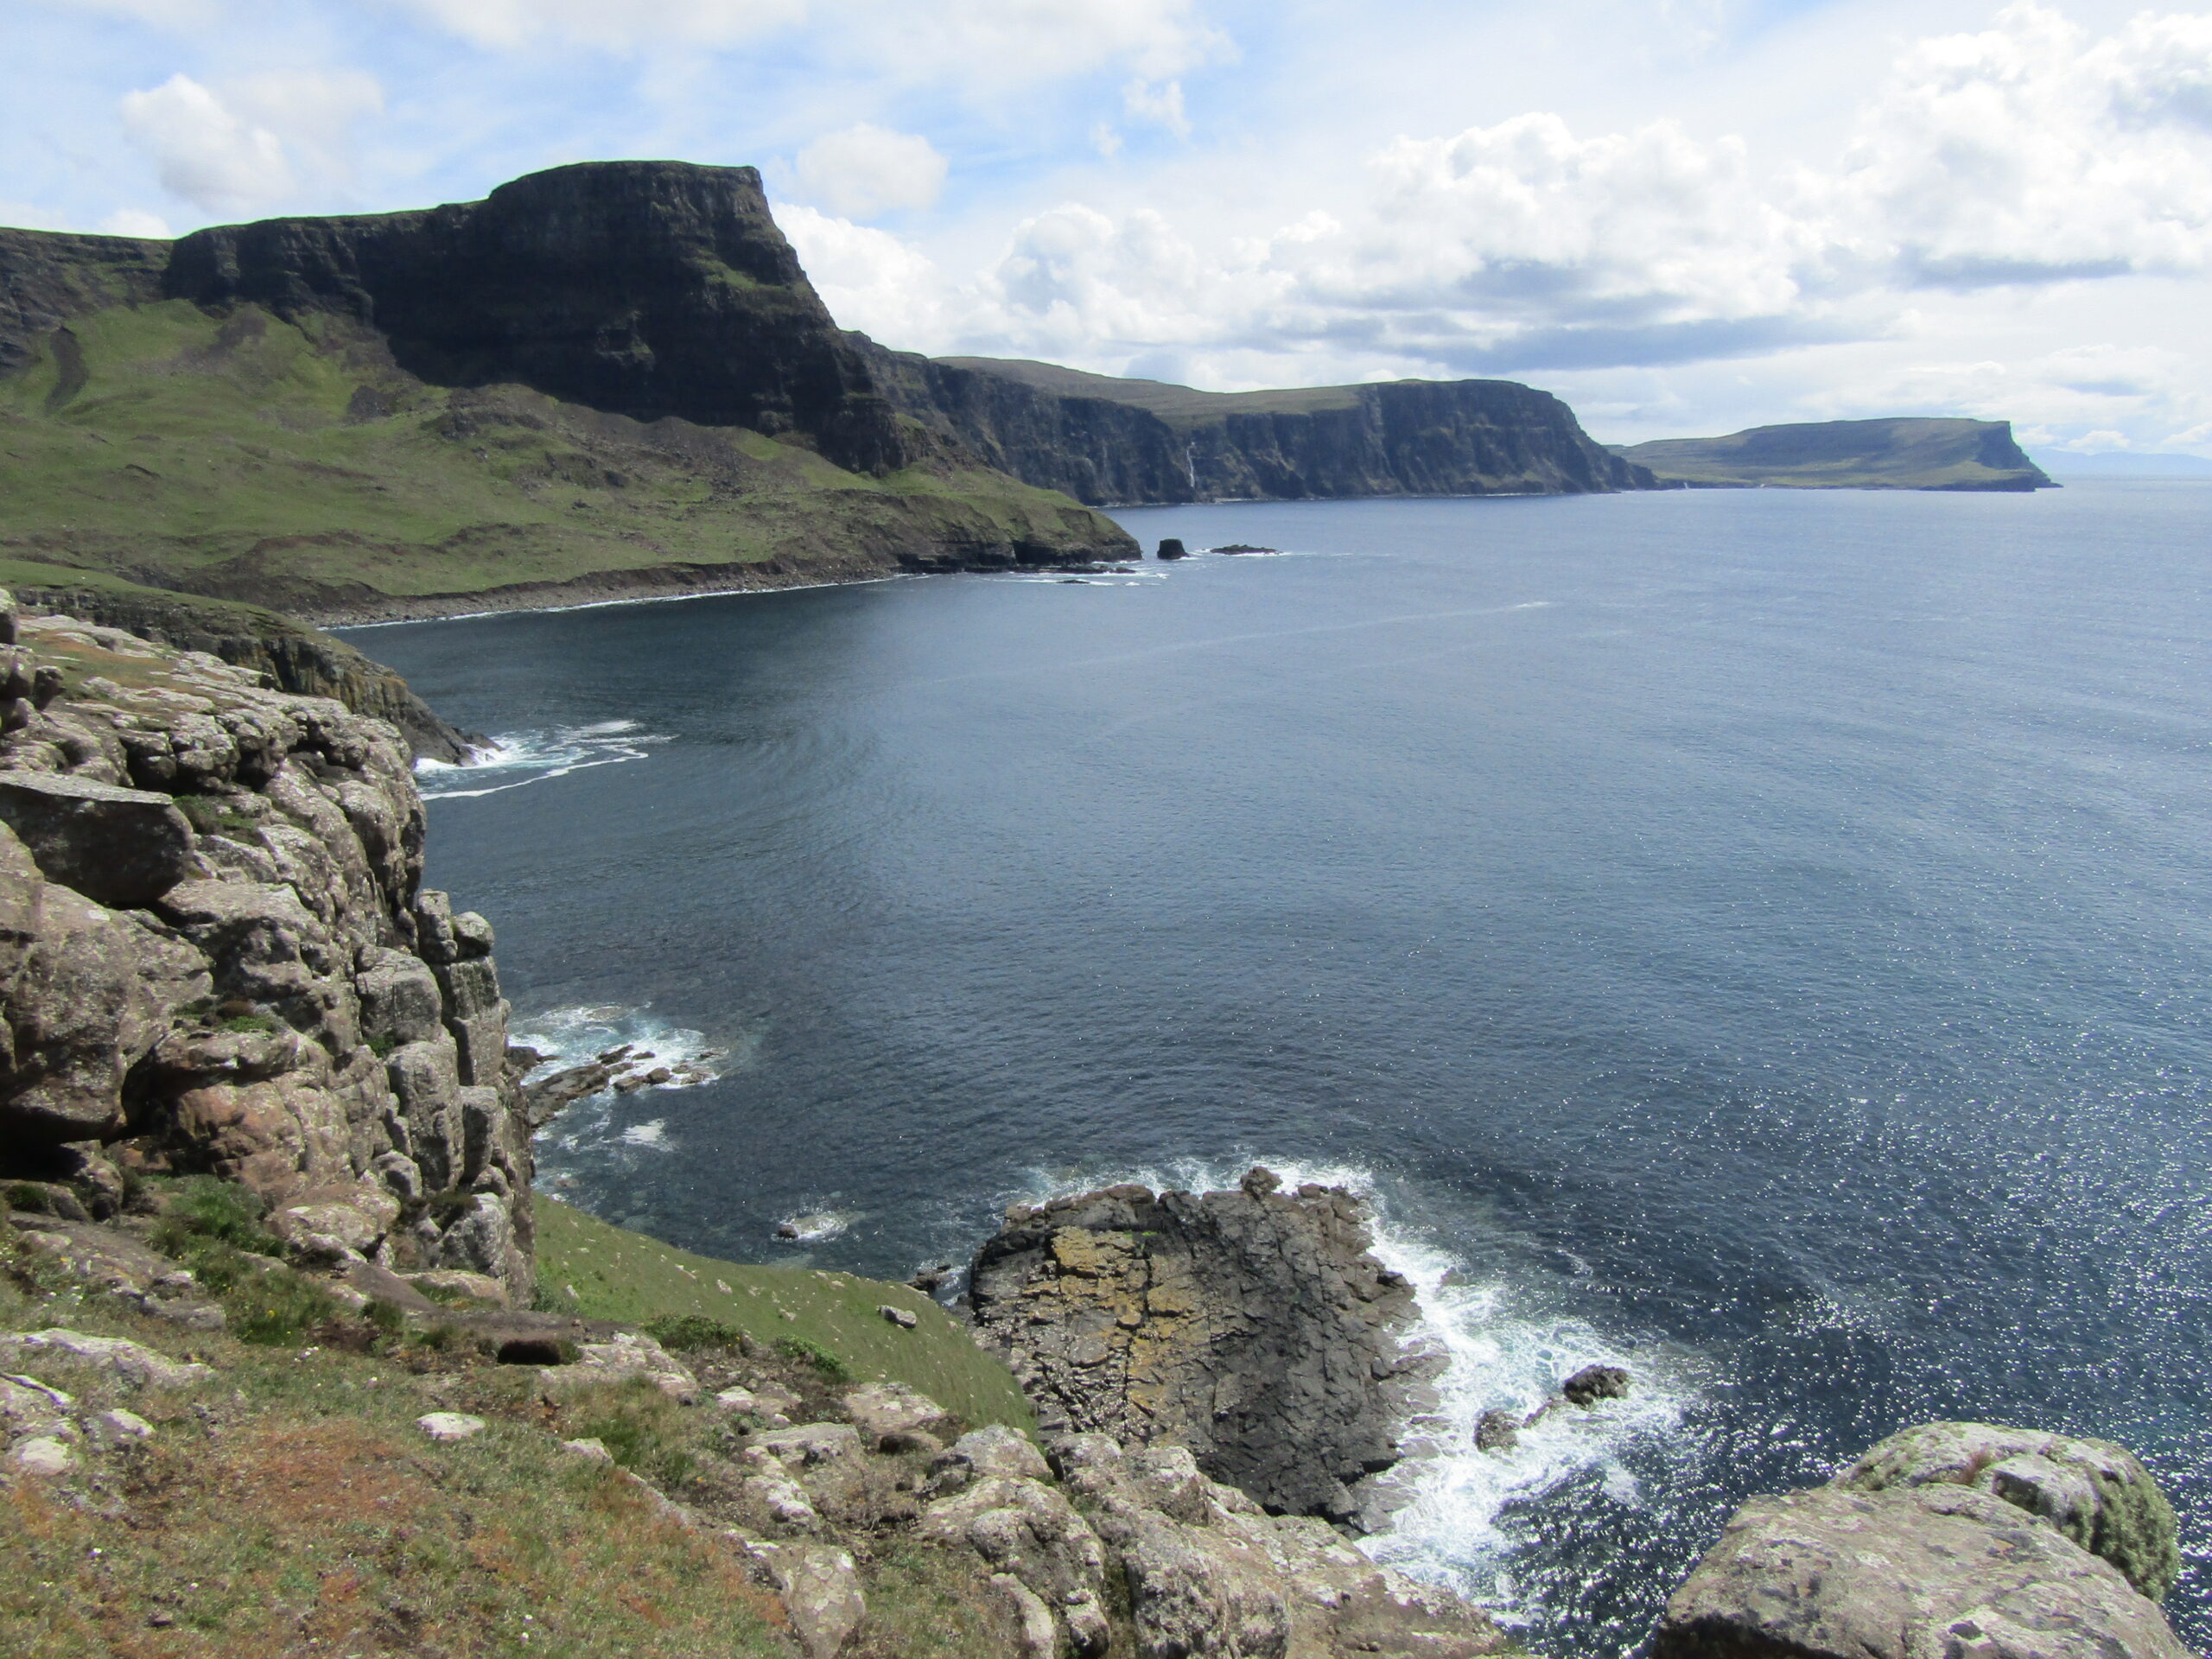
(265, 993)
(1252, 1326)
(120, 846)
(1209, 1571)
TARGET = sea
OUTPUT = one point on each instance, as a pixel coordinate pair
(1759, 939)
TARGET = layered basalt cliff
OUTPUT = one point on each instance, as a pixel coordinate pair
(1103, 439)
(645, 288)
(216, 955)
(1252, 1326)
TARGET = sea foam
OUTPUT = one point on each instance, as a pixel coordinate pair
(517, 759)
(1503, 1349)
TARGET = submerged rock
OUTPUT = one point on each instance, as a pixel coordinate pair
(1252, 1326)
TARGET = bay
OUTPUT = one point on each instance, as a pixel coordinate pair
(1760, 938)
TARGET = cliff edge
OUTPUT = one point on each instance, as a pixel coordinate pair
(220, 957)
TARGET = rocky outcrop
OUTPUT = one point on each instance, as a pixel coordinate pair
(1103, 439)
(643, 288)
(1208, 1571)
(1253, 1327)
(2094, 1492)
(1924, 1550)
(216, 955)
(296, 657)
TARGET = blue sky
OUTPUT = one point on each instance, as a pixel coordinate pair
(1683, 215)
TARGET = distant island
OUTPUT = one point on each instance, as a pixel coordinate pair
(1908, 453)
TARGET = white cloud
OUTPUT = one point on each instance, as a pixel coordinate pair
(1162, 104)
(131, 221)
(870, 279)
(867, 170)
(2029, 153)
(625, 25)
(204, 152)
(2032, 152)
(984, 42)
(253, 142)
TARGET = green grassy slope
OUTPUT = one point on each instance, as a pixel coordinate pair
(1181, 407)
(617, 1274)
(1879, 454)
(292, 464)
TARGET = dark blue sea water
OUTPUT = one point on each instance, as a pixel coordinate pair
(1763, 937)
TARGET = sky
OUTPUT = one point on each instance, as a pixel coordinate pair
(1683, 216)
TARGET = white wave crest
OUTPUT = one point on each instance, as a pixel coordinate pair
(517, 760)
(1502, 1349)
(608, 1127)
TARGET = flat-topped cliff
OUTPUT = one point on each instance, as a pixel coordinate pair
(1106, 439)
(1914, 453)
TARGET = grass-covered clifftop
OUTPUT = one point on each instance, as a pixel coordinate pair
(295, 465)
(1881, 454)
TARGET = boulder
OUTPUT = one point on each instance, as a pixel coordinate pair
(1253, 1326)
(124, 848)
(821, 1590)
(125, 1361)
(1172, 548)
(2096, 1493)
(400, 1001)
(882, 1409)
(1931, 1572)
(449, 1424)
(625, 1355)
(992, 1450)
(1031, 1532)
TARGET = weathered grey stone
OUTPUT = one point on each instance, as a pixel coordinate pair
(821, 1590)
(994, 1449)
(1029, 1530)
(1252, 1326)
(625, 1355)
(1933, 1571)
(123, 848)
(449, 1424)
(1209, 1571)
(90, 993)
(2095, 1492)
(400, 1000)
(125, 1361)
(881, 1408)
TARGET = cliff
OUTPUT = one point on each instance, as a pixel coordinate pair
(219, 957)
(605, 380)
(1880, 454)
(294, 657)
(644, 289)
(1101, 439)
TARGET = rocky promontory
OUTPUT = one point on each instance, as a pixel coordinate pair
(1254, 1328)
(220, 957)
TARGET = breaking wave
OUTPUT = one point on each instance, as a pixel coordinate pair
(520, 759)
